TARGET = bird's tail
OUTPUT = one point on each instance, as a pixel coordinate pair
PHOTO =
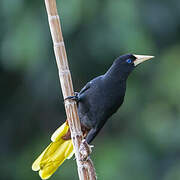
(55, 154)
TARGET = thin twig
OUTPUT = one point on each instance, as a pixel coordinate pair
(85, 168)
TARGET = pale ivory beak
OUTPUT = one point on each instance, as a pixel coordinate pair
(141, 58)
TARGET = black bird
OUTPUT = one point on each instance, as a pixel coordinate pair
(97, 101)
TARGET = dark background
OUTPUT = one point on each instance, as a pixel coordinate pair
(142, 140)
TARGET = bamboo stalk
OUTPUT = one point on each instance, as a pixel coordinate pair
(86, 169)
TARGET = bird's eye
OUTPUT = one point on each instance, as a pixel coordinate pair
(128, 61)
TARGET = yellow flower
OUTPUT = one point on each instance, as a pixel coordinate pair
(55, 154)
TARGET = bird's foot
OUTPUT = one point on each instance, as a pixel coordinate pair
(75, 97)
(85, 150)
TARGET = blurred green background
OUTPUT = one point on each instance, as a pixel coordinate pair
(142, 140)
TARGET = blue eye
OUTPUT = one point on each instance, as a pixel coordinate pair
(128, 61)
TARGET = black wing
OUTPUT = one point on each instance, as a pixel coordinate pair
(86, 87)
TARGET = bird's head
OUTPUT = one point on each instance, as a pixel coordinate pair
(130, 61)
(124, 65)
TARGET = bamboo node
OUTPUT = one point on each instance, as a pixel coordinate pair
(75, 134)
(85, 149)
(82, 165)
(63, 72)
(58, 44)
(69, 102)
(50, 17)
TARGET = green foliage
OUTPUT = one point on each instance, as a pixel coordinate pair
(142, 140)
